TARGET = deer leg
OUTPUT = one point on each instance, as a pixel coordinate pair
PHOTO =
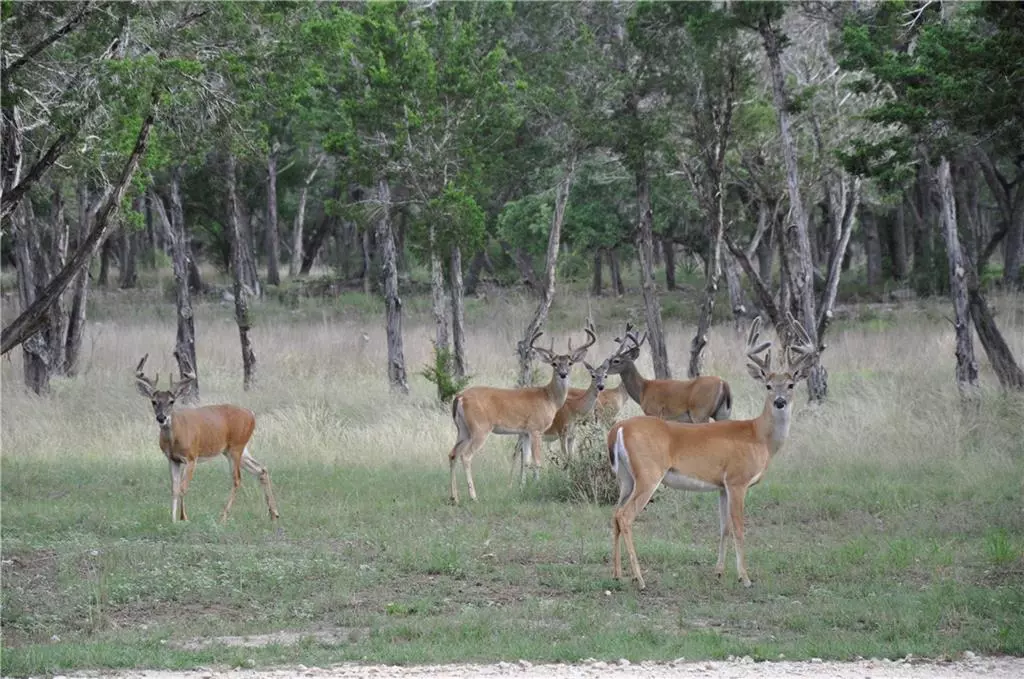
(260, 472)
(236, 480)
(625, 516)
(177, 505)
(464, 450)
(723, 528)
(535, 449)
(736, 499)
(616, 552)
(524, 445)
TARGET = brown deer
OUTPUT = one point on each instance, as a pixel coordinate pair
(188, 435)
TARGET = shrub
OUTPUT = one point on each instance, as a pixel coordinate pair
(442, 373)
(584, 476)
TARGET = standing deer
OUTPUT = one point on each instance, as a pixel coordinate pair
(728, 457)
(610, 402)
(189, 435)
(696, 400)
(579, 403)
(526, 413)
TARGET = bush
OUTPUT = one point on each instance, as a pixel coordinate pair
(584, 476)
(442, 373)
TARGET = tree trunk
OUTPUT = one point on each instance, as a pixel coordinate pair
(106, 253)
(316, 242)
(458, 313)
(732, 282)
(295, 263)
(185, 338)
(872, 246)
(616, 273)
(79, 292)
(438, 306)
(273, 237)
(30, 319)
(644, 247)
(844, 207)
(237, 266)
(597, 285)
(966, 365)
(523, 262)
(365, 248)
(668, 248)
(129, 258)
(711, 274)
(392, 302)
(802, 268)
(476, 266)
(523, 350)
(28, 256)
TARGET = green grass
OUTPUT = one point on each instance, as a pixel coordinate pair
(890, 524)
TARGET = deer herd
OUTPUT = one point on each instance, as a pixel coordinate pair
(685, 438)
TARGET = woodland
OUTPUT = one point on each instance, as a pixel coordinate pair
(787, 150)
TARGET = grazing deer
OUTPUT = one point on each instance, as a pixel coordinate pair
(526, 412)
(189, 435)
(579, 403)
(729, 457)
(696, 400)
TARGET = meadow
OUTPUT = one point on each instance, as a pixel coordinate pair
(891, 523)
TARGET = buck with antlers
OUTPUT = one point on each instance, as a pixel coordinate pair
(696, 400)
(728, 457)
(579, 403)
(526, 412)
(193, 434)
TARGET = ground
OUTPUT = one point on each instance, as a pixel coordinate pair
(741, 668)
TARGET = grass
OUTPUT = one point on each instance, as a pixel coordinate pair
(891, 523)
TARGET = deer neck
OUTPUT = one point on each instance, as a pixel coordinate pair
(772, 425)
(557, 389)
(589, 397)
(633, 381)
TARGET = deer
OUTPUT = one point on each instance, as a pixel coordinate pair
(610, 402)
(728, 456)
(697, 400)
(526, 412)
(579, 403)
(190, 435)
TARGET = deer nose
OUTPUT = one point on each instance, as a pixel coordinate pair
(780, 402)
(563, 375)
(600, 387)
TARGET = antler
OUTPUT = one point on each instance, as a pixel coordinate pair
(544, 353)
(591, 339)
(140, 376)
(802, 352)
(628, 337)
(754, 349)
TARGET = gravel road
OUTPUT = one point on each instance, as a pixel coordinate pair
(741, 668)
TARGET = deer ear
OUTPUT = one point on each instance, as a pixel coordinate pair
(144, 388)
(757, 372)
(589, 367)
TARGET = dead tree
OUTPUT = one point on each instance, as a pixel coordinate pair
(273, 237)
(240, 290)
(524, 348)
(645, 253)
(392, 302)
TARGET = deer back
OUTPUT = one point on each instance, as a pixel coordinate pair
(526, 409)
(208, 431)
(671, 398)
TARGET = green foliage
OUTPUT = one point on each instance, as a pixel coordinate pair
(442, 374)
(584, 476)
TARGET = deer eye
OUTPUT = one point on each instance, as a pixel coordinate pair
(170, 402)
(791, 385)
(768, 387)
(154, 401)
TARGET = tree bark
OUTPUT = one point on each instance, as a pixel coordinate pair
(523, 350)
(1009, 196)
(802, 268)
(185, 335)
(438, 307)
(644, 247)
(273, 235)
(615, 272)
(237, 265)
(79, 293)
(295, 262)
(732, 282)
(365, 248)
(106, 253)
(392, 302)
(847, 202)
(129, 258)
(872, 246)
(597, 285)
(458, 299)
(668, 248)
(966, 365)
(28, 322)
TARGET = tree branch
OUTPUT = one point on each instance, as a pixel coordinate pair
(35, 50)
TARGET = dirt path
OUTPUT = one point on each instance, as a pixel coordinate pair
(743, 668)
